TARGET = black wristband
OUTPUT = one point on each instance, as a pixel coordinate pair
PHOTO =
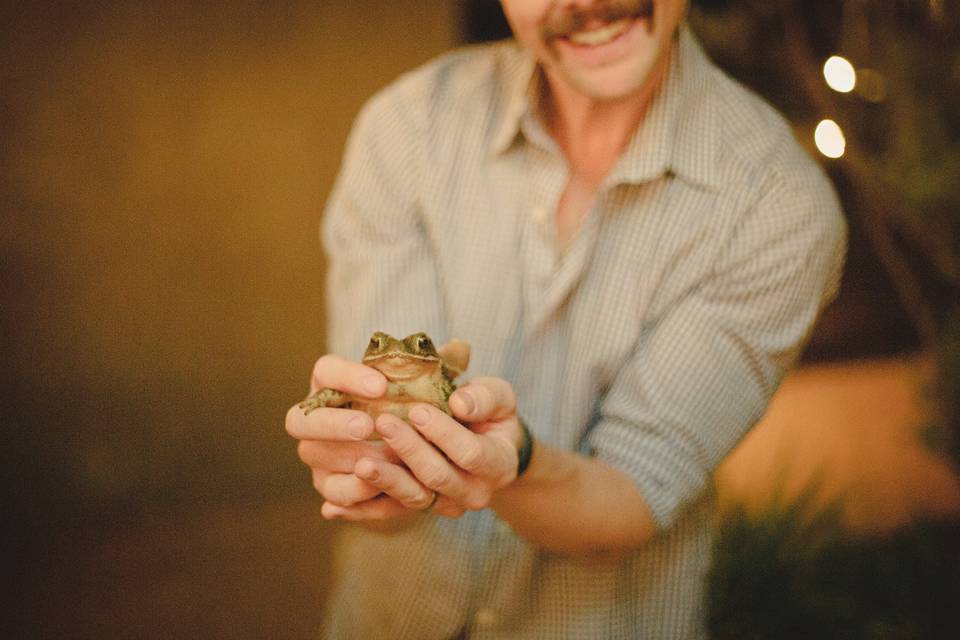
(526, 448)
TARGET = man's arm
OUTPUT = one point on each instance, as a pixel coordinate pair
(576, 506)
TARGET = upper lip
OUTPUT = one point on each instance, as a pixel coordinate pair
(595, 17)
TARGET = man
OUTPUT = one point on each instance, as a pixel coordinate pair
(636, 249)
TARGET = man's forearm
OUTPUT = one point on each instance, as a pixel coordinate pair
(575, 505)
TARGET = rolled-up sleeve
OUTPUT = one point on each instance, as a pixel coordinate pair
(702, 372)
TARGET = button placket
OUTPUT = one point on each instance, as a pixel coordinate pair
(540, 260)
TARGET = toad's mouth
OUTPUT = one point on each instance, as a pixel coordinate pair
(402, 366)
(599, 24)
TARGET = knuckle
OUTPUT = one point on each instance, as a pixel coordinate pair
(404, 448)
(304, 452)
(437, 477)
(418, 501)
(472, 457)
(367, 468)
(319, 483)
(338, 493)
(361, 430)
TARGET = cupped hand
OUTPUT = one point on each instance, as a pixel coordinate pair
(333, 440)
(463, 465)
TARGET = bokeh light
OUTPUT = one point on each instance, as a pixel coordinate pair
(829, 139)
(839, 74)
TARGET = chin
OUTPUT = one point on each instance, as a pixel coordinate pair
(607, 85)
(607, 91)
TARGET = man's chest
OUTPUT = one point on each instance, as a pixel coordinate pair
(573, 205)
(635, 248)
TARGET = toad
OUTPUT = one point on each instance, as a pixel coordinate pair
(416, 371)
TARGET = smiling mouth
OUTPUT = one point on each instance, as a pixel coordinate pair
(598, 24)
(601, 35)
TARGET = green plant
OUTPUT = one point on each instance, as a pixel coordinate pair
(795, 573)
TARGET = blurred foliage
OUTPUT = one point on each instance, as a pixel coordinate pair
(788, 574)
(946, 388)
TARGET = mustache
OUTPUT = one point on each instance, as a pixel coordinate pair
(564, 21)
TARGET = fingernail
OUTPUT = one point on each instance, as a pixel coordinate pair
(331, 512)
(469, 404)
(419, 415)
(387, 428)
(372, 474)
(373, 385)
(358, 427)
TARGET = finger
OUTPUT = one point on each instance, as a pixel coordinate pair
(456, 355)
(342, 489)
(328, 424)
(379, 508)
(447, 508)
(483, 399)
(426, 463)
(341, 457)
(467, 450)
(396, 482)
(345, 375)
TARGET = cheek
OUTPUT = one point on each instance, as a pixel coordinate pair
(525, 19)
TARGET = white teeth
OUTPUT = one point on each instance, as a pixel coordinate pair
(602, 35)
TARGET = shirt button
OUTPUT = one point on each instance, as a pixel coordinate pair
(485, 617)
(540, 214)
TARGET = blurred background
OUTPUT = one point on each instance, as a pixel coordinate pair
(164, 168)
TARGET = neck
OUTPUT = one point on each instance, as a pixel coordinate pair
(594, 133)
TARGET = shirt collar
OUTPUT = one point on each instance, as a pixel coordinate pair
(678, 134)
(521, 91)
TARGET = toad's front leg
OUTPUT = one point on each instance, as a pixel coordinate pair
(324, 397)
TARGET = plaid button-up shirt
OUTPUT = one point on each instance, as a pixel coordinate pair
(653, 341)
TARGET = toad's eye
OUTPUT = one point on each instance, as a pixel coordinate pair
(424, 344)
(375, 342)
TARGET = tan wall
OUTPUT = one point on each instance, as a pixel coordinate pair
(850, 435)
(164, 170)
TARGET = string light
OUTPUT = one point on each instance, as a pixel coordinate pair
(839, 74)
(829, 139)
